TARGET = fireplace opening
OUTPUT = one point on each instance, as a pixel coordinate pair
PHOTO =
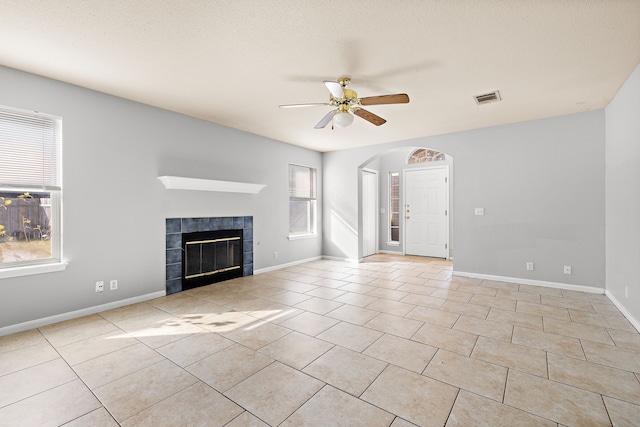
(211, 256)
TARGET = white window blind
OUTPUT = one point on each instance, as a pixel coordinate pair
(30, 150)
(302, 182)
(302, 201)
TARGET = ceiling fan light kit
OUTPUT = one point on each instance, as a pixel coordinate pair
(347, 104)
(342, 119)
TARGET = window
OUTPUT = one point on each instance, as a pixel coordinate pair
(30, 187)
(302, 201)
(422, 155)
(394, 207)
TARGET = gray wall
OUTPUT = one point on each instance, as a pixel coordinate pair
(540, 182)
(115, 207)
(623, 196)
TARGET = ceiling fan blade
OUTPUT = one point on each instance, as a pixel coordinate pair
(369, 116)
(335, 89)
(399, 98)
(314, 104)
(325, 120)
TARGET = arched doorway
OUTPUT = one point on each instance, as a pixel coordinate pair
(393, 169)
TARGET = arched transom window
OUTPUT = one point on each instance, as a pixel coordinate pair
(422, 155)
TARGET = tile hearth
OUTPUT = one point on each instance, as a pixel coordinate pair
(394, 341)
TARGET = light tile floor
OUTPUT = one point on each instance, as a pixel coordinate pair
(395, 341)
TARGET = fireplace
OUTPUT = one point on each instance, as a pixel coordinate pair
(211, 256)
(202, 251)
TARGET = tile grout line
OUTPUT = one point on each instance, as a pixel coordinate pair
(81, 380)
(243, 294)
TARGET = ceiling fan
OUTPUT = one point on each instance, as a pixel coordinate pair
(347, 104)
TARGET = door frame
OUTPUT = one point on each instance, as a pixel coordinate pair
(447, 203)
(361, 210)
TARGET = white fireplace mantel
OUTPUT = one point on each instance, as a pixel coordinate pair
(184, 183)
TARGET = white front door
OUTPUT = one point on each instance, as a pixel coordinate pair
(369, 213)
(426, 212)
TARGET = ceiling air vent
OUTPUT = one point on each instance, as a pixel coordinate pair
(487, 98)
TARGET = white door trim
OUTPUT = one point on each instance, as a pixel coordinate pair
(374, 213)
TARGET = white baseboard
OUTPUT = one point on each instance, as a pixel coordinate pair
(532, 282)
(289, 264)
(32, 324)
(337, 258)
(623, 310)
(390, 252)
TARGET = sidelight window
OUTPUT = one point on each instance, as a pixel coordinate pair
(394, 207)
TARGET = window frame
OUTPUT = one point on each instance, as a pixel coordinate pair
(51, 177)
(312, 200)
(390, 225)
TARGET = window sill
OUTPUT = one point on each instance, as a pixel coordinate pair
(393, 243)
(28, 270)
(302, 236)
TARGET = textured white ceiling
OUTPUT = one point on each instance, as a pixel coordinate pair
(234, 62)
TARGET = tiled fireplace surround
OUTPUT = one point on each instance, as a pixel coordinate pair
(176, 226)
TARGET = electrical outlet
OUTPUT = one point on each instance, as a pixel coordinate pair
(275, 255)
(626, 291)
(100, 286)
(529, 266)
(479, 211)
(113, 285)
(567, 269)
